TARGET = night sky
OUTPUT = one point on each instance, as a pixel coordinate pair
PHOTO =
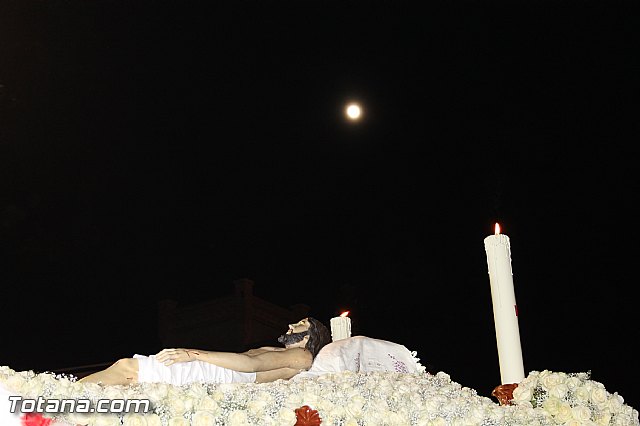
(153, 150)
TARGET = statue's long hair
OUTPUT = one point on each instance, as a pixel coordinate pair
(319, 336)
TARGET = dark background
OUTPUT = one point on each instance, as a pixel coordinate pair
(153, 150)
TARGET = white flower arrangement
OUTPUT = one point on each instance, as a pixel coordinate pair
(341, 399)
(573, 399)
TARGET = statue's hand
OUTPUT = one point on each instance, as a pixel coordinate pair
(171, 356)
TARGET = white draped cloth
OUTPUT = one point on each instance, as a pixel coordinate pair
(361, 354)
(184, 373)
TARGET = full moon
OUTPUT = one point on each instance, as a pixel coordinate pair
(353, 111)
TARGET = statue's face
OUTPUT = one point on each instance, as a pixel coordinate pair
(297, 333)
(299, 327)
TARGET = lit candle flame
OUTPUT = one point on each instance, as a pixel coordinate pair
(344, 314)
(497, 228)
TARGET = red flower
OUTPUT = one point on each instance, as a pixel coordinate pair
(35, 419)
(307, 417)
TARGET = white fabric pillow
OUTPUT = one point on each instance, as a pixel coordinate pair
(363, 354)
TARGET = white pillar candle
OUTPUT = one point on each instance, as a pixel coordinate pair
(505, 310)
(340, 327)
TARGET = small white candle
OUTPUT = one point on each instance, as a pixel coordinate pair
(341, 327)
(505, 310)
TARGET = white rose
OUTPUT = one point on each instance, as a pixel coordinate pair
(203, 418)
(104, 419)
(91, 388)
(238, 418)
(441, 375)
(174, 392)
(404, 413)
(217, 395)
(525, 404)
(402, 388)
(603, 419)
(134, 419)
(81, 418)
(177, 406)
(153, 419)
(416, 400)
(581, 413)
(355, 406)
(573, 382)
(267, 397)
(76, 389)
(582, 394)
(112, 392)
(626, 419)
(522, 394)
(15, 383)
(551, 380)
(545, 373)
(398, 419)
(522, 414)
(270, 421)
(4, 369)
(438, 421)
(384, 387)
(380, 405)
(32, 388)
(375, 418)
(475, 415)
(599, 396)
(208, 403)
(496, 414)
(615, 403)
(64, 386)
(351, 422)
(156, 391)
(295, 400)
(326, 406)
(343, 385)
(286, 417)
(455, 402)
(309, 399)
(564, 413)
(430, 404)
(456, 421)
(552, 405)
(541, 375)
(188, 404)
(257, 406)
(178, 421)
(46, 379)
(629, 410)
(559, 391)
(196, 391)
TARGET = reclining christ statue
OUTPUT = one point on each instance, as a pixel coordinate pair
(302, 342)
(395, 389)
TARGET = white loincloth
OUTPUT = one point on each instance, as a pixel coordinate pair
(182, 373)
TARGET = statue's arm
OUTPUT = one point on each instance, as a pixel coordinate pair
(296, 358)
(258, 351)
(273, 375)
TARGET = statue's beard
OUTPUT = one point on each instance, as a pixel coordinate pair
(292, 338)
